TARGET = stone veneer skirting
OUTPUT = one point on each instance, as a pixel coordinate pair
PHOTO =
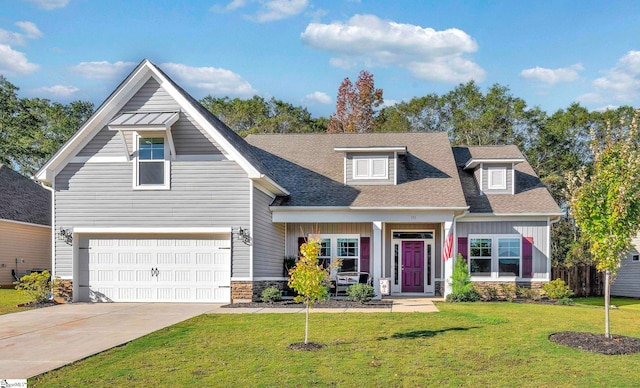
(242, 291)
(480, 286)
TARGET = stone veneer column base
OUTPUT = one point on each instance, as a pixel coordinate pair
(63, 290)
(247, 291)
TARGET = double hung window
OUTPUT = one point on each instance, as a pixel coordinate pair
(495, 256)
(152, 163)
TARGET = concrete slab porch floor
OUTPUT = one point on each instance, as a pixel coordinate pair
(37, 341)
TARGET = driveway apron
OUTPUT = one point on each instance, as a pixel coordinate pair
(36, 341)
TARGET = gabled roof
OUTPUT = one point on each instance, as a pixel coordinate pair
(308, 166)
(531, 195)
(23, 200)
(232, 144)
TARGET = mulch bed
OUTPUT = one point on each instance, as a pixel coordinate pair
(597, 343)
(308, 347)
(324, 304)
(47, 303)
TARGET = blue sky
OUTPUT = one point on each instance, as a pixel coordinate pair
(550, 53)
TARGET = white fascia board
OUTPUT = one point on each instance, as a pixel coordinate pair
(472, 163)
(143, 230)
(97, 121)
(25, 223)
(496, 217)
(350, 216)
(399, 149)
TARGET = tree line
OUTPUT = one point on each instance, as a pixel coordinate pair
(31, 130)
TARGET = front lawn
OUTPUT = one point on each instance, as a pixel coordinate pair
(481, 344)
(620, 302)
(10, 299)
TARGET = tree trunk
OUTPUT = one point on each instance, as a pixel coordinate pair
(306, 327)
(607, 303)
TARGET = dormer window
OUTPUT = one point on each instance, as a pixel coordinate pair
(366, 167)
(497, 178)
(152, 164)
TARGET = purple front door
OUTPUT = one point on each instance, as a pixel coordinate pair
(412, 266)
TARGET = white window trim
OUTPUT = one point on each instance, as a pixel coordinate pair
(635, 257)
(334, 248)
(370, 160)
(490, 184)
(495, 273)
(167, 164)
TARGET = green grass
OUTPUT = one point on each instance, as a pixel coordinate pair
(481, 344)
(9, 300)
(621, 302)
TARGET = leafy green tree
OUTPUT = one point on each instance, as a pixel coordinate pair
(356, 105)
(309, 279)
(606, 203)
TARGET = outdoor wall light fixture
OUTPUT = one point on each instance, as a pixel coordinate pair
(65, 235)
(244, 236)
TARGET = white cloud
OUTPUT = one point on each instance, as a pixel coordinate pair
(429, 54)
(389, 102)
(607, 107)
(58, 90)
(280, 9)
(622, 82)
(102, 69)
(29, 29)
(317, 98)
(14, 62)
(590, 98)
(268, 10)
(553, 76)
(212, 80)
(49, 4)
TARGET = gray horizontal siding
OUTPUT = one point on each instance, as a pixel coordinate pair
(627, 281)
(203, 194)
(190, 139)
(535, 229)
(485, 178)
(106, 143)
(302, 230)
(390, 171)
(268, 239)
(151, 97)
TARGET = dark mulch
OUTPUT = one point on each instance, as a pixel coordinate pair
(597, 343)
(308, 347)
(46, 303)
(332, 303)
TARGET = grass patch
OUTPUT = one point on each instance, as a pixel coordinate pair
(620, 302)
(481, 344)
(10, 299)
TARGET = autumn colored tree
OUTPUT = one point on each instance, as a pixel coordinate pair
(356, 105)
(606, 203)
(309, 279)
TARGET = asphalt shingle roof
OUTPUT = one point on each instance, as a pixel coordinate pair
(309, 168)
(531, 195)
(22, 199)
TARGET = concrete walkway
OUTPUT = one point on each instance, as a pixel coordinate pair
(37, 341)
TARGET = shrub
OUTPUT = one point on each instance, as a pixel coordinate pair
(360, 292)
(271, 294)
(565, 301)
(36, 286)
(490, 293)
(289, 263)
(462, 289)
(508, 291)
(528, 293)
(557, 289)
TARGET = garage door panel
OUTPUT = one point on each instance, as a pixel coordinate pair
(122, 268)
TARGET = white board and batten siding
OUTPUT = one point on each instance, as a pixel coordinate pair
(268, 239)
(139, 268)
(627, 280)
(535, 229)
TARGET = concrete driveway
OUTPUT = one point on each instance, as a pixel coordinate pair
(36, 341)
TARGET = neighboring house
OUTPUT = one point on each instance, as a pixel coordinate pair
(25, 226)
(627, 280)
(166, 203)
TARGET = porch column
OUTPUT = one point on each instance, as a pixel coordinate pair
(376, 246)
(448, 261)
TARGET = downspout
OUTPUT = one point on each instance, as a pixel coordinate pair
(53, 230)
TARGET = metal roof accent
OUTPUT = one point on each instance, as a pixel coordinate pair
(144, 121)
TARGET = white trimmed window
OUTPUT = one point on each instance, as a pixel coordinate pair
(495, 256)
(370, 167)
(497, 178)
(152, 164)
(635, 257)
(343, 247)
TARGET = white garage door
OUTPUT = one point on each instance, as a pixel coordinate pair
(166, 269)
